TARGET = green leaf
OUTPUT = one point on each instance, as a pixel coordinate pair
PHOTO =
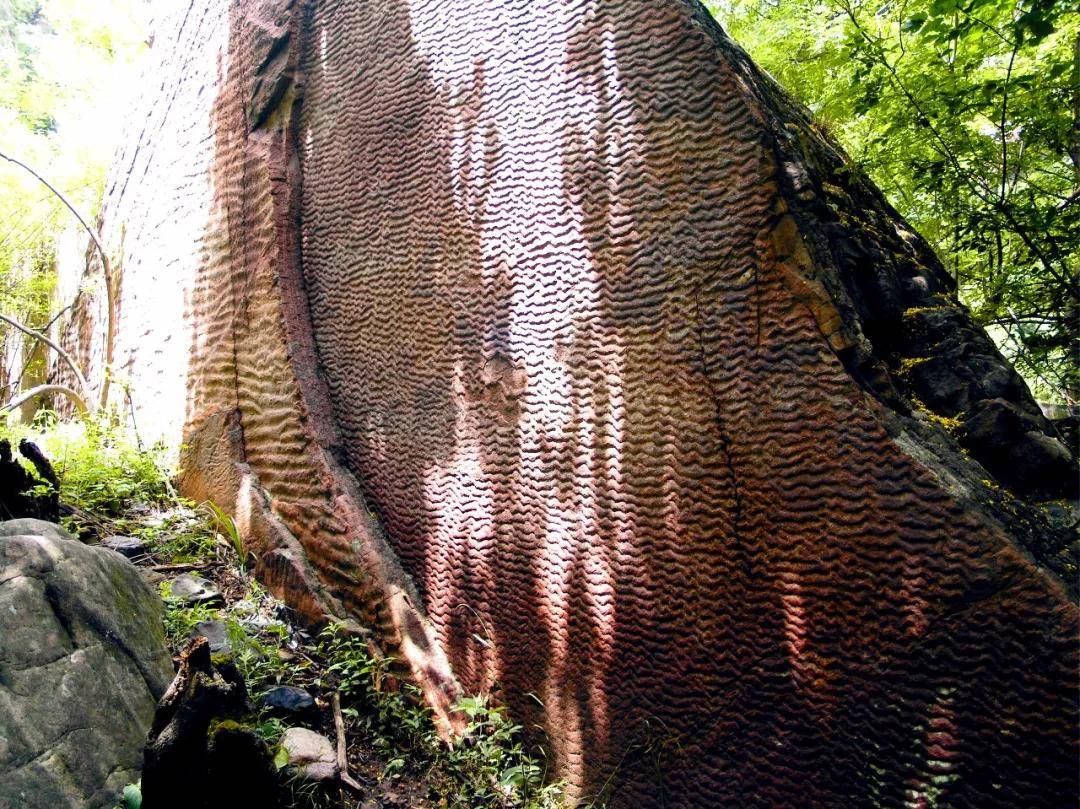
(520, 776)
(914, 23)
(132, 797)
(281, 758)
(1036, 23)
(942, 7)
(472, 706)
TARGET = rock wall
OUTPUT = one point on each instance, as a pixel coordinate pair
(551, 343)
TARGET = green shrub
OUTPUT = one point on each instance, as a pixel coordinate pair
(101, 470)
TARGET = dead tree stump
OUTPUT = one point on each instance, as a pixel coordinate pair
(186, 764)
(176, 758)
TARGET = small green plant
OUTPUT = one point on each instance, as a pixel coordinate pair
(181, 618)
(270, 729)
(258, 661)
(132, 797)
(226, 528)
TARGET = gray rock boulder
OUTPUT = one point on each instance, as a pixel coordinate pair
(25, 526)
(217, 633)
(288, 700)
(82, 665)
(131, 547)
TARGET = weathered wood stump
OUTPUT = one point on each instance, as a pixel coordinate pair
(195, 758)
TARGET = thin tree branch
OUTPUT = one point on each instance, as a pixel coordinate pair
(1074, 136)
(26, 396)
(975, 183)
(342, 752)
(53, 319)
(1022, 353)
(90, 231)
(83, 384)
(1004, 120)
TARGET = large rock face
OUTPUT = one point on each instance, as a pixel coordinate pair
(82, 665)
(554, 343)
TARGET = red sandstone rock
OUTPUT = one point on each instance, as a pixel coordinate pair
(554, 344)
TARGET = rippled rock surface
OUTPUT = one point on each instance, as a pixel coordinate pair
(555, 345)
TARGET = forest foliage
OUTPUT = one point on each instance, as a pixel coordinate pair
(966, 113)
(66, 72)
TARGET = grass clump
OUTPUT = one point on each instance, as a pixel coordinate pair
(181, 618)
(176, 536)
(226, 528)
(256, 654)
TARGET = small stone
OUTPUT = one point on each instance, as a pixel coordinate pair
(215, 632)
(194, 590)
(288, 699)
(125, 546)
(311, 756)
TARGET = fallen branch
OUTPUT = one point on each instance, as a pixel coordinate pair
(342, 754)
(180, 568)
(84, 519)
